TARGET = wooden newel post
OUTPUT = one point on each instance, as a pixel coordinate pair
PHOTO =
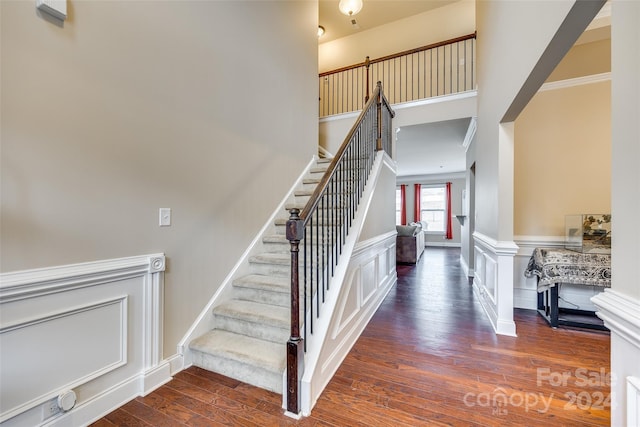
(366, 64)
(379, 118)
(295, 347)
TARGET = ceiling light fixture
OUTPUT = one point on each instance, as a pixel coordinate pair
(350, 7)
(320, 31)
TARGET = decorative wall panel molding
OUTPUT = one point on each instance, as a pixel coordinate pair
(94, 329)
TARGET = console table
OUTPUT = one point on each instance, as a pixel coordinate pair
(552, 267)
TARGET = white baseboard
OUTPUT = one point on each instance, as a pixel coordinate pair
(442, 244)
(116, 396)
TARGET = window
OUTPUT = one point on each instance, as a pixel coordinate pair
(398, 206)
(433, 206)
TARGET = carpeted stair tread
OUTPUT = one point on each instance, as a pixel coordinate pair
(276, 258)
(275, 238)
(252, 351)
(263, 282)
(318, 169)
(311, 180)
(255, 312)
(303, 192)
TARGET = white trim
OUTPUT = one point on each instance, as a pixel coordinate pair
(428, 179)
(340, 116)
(578, 81)
(435, 100)
(465, 267)
(443, 244)
(374, 241)
(19, 285)
(114, 397)
(620, 313)
(493, 281)
(471, 132)
(538, 241)
(496, 246)
(410, 104)
(633, 401)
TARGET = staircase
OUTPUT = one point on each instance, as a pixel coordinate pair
(248, 342)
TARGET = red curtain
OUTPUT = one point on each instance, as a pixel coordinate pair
(417, 205)
(448, 213)
(403, 204)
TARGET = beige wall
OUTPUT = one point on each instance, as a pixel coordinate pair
(440, 24)
(562, 158)
(584, 60)
(133, 106)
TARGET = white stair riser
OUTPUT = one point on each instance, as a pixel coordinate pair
(270, 269)
(262, 331)
(255, 376)
(280, 247)
(280, 299)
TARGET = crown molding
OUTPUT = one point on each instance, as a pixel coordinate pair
(578, 81)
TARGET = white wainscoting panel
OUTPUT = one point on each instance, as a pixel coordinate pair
(370, 275)
(95, 343)
(633, 401)
(92, 328)
(493, 281)
(621, 314)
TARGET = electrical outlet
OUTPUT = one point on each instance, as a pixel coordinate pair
(50, 408)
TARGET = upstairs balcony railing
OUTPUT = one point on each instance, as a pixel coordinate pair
(437, 69)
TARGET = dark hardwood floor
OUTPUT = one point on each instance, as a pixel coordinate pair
(428, 357)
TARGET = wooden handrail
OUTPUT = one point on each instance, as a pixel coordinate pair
(312, 204)
(399, 54)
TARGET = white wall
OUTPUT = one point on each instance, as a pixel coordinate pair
(503, 68)
(132, 106)
(621, 307)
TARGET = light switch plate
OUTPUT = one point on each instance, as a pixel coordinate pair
(165, 217)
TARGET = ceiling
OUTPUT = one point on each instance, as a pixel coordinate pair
(374, 13)
(431, 149)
